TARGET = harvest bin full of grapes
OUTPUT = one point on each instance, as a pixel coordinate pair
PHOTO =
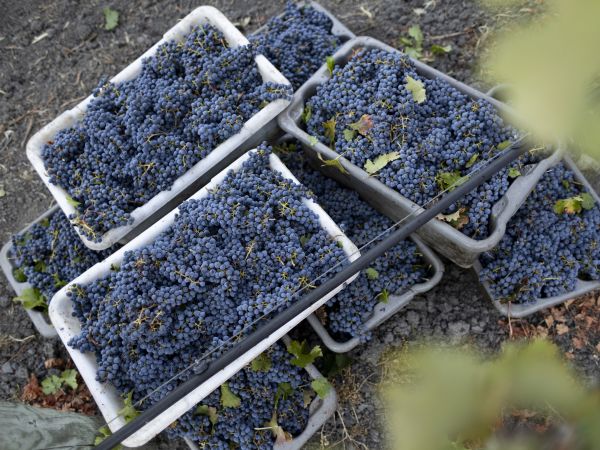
(402, 134)
(229, 243)
(159, 130)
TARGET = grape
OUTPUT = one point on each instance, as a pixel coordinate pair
(392, 274)
(544, 252)
(228, 260)
(298, 42)
(138, 136)
(365, 111)
(50, 255)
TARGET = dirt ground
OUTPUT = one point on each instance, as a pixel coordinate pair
(52, 54)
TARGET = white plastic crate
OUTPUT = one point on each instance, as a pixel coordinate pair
(106, 397)
(222, 155)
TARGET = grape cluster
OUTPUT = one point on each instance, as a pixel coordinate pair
(138, 136)
(366, 110)
(392, 274)
(229, 259)
(50, 255)
(298, 42)
(273, 395)
(544, 252)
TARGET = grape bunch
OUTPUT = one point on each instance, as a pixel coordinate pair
(138, 136)
(266, 401)
(298, 42)
(50, 255)
(418, 136)
(551, 243)
(228, 260)
(392, 274)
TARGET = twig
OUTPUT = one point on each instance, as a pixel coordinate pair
(449, 35)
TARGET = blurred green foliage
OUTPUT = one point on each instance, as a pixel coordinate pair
(448, 399)
(552, 66)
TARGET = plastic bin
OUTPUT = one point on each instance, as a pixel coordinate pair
(383, 311)
(105, 395)
(320, 411)
(40, 322)
(441, 236)
(250, 135)
(583, 287)
(337, 29)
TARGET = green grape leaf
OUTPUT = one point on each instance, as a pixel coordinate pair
(103, 433)
(414, 53)
(371, 273)
(39, 266)
(503, 145)
(440, 49)
(417, 35)
(349, 134)
(313, 140)
(45, 222)
(69, 378)
(228, 398)
(19, 275)
(362, 125)
(303, 355)
(32, 298)
(513, 172)
(416, 88)
(334, 363)
(284, 390)
(329, 127)
(209, 411)
(384, 296)
(262, 363)
(330, 64)
(321, 386)
(450, 180)
(71, 201)
(111, 19)
(333, 163)
(58, 283)
(587, 201)
(51, 385)
(306, 113)
(472, 161)
(372, 167)
(129, 412)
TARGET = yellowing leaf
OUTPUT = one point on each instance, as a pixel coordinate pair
(574, 205)
(362, 125)
(321, 386)
(329, 127)
(503, 145)
(111, 18)
(303, 354)
(416, 88)
(372, 167)
(228, 398)
(334, 163)
(457, 219)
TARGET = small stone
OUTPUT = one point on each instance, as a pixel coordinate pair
(412, 318)
(6, 368)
